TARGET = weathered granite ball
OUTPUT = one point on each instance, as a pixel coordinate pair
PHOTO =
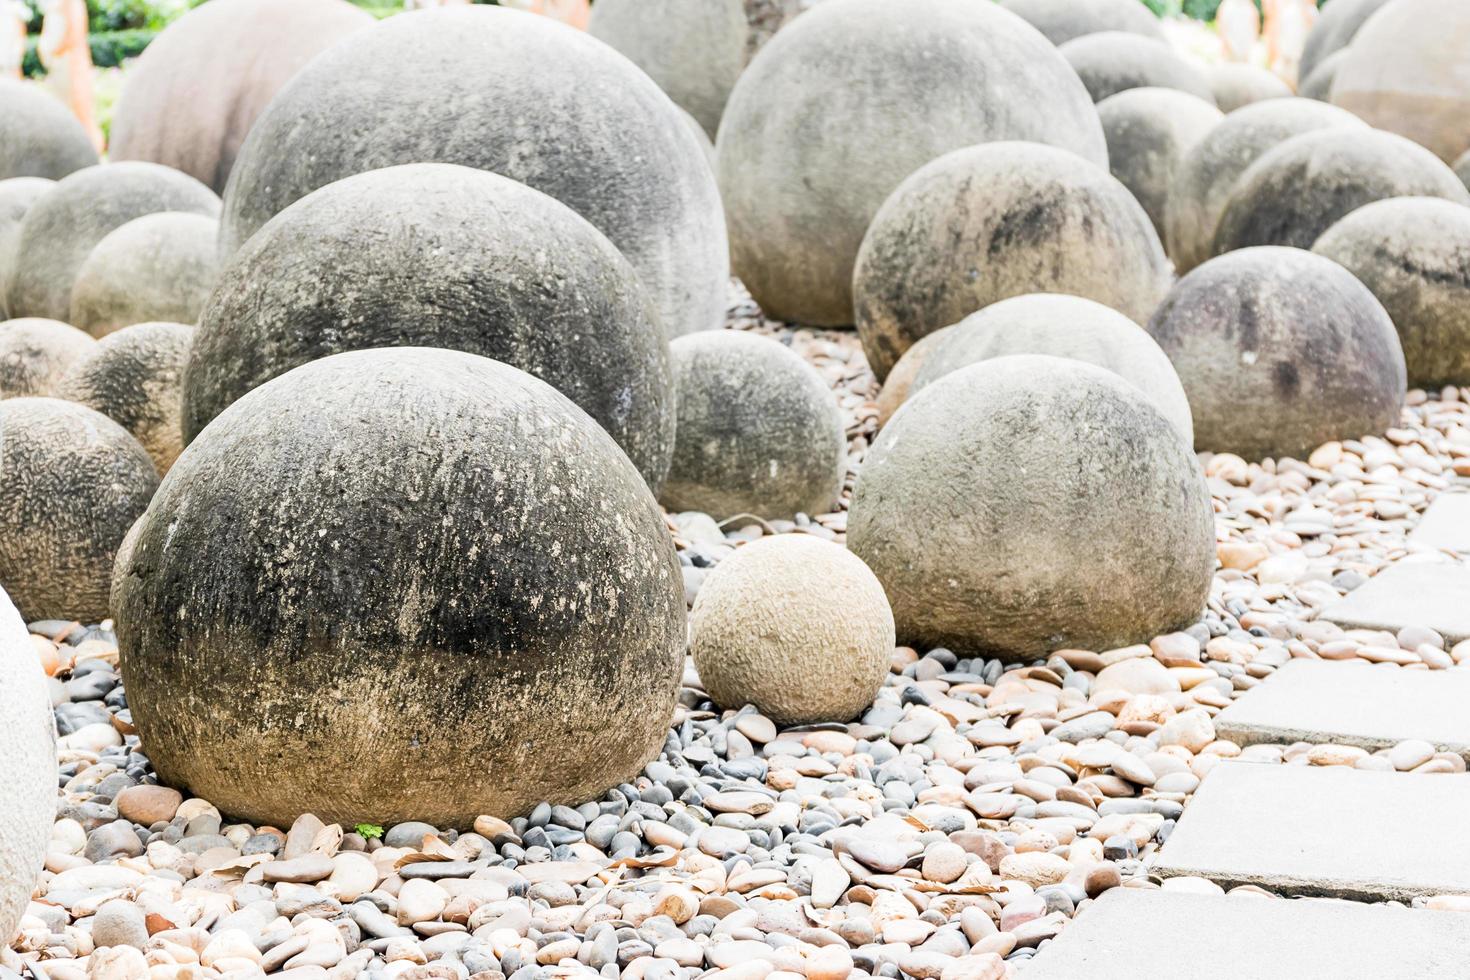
(694, 49)
(435, 255)
(782, 611)
(428, 580)
(1299, 188)
(1062, 20)
(16, 197)
(35, 355)
(531, 99)
(998, 220)
(66, 223)
(1413, 254)
(1408, 71)
(157, 268)
(133, 376)
(802, 166)
(39, 137)
(1150, 131)
(1236, 85)
(27, 768)
(1280, 351)
(1062, 326)
(1109, 539)
(1334, 30)
(1318, 85)
(73, 483)
(900, 381)
(190, 99)
(759, 432)
(1462, 168)
(1207, 174)
(1114, 61)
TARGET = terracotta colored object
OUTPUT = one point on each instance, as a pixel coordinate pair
(67, 57)
(1287, 24)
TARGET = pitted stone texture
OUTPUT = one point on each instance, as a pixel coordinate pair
(39, 137)
(16, 197)
(1062, 20)
(1431, 594)
(35, 355)
(27, 767)
(155, 269)
(1114, 61)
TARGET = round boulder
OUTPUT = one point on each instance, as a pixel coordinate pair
(1149, 131)
(1107, 540)
(63, 227)
(159, 267)
(1237, 85)
(16, 197)
(900, 381)
(998, 220)
(428, 580)
(1062, 326)
(759, 432)
(1204, 178)
(802, 178)
(1280, 351)
(1333, 30)
(27, 768)
(1115, 61)
(75, 481)
(531, 99)
(35, 355)
(1318, 85)
(190, 99)
(1413, 254)
(786, 609)
(1062, 20)
(39, 137)
(434, 255)
(133, 377)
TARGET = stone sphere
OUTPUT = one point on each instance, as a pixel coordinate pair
(39, 137)
(1462, 168)
(1115, 61)
(693, 49)
(994, 221)
(1062, 326)
(28, 768)
(531, 99)
(900, 381)
(1207, 174)
(133, 376)
(1300, 188)
(1107, 540)
(1413, 254)
(72, 481)
(1336, 26)
(1318, 85)
(160, 267)
(67, 222)
(16, 197)
(1062, 20)
(427, 579)
(35, 355)
(1237, 85)
(803, 166)
(1408, 71)
(1150, 131)
(434, 255)
(782, 611)
(1280, 351)
(759, 432)
(190, 99)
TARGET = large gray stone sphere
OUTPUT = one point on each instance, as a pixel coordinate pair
(27, 768)
(759, 432)
(1298, 189)
(1207, 174)
(1062, 20)
(160, 267)
(1334, 31)
(66, 223)
(1408, 71)
(35, 355)
(1280, 351)
(848, 100)
(462, 559)
(16, 197)
(72, 482)
(1236, 85)
(39, 137)
(1062, 326)
(1114, 61)
(134, 377)
(694, 49)
(531, 99)
(998, 220)
(434, 255)
(190, 99)
(1318, 85)
(1150, 131)
(1413, 253)
(1028, 504)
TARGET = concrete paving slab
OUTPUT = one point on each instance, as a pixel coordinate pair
(1353, 703)
(1446, 524)
(1151, 935)
(1433, 594)
(1330, 831)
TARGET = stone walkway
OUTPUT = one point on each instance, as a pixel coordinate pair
(1429, 594)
